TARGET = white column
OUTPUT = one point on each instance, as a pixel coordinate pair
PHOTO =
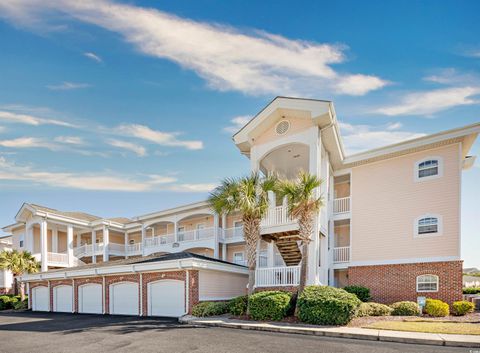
(216, 225)
(106, 243)
(272, 199)
(44, 245)
(126, 244)
(271, 254)
(331, 277)
(224, 252)
(175, 225)
(314, 246)
(70, 245)
(94, 246)
(54, 239)
(28, 238)
(143, 239)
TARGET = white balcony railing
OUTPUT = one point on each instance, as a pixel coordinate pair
(88, 250)
(231, 234)
(276, 216)
(341, 205)
(277, 276)
(341, 254)
(54, 258)
(133, 249)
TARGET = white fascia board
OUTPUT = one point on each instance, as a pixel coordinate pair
(70, 220)
(11, 227)
(208, 265)
(171, 211)
(404, 261)
(415, 143)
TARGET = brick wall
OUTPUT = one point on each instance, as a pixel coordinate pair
(146, 278)
(392, 283)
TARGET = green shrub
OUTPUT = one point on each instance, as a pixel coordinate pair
(324, 305)
(436, 308)
(209, 309)
(374, 309)
(405, 308)
(238, 306)
(21, 305)
(269, 305)
(7, 301)
(362, 293)
(462, 307)
(471, 290)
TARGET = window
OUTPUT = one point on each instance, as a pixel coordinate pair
(427, 283)
(181, 233)
(238, 228)
(428, 168)
(263, 258)
(238, 258)
(22, 240)
(428, 225)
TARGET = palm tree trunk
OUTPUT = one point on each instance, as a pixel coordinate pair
(15, 286)
(303, 267)
(251, 228)
(22, 291)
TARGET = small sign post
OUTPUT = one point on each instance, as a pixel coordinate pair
(421, 302)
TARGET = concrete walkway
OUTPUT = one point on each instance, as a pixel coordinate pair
(469, 341)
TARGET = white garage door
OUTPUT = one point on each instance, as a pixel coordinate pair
(124, 298)
(62, 299)
(90, 299)
(40, 299)
(166, 298)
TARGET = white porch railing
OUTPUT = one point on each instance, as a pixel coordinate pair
(276, 216)
(235, 233)
(341, 254)
(116, 249)
(341, 205)
(197, 234)
(87, 250)
(160, 240)
(277, 276)
(54, 258)
(133, 249)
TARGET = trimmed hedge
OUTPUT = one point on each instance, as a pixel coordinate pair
(436, 308)
(324, 305)
(374, 309)
(471, 290)
(210, 309)
(405, 308)
(362, 293)
(238, 306)
(8, 301)
(462, 307)
(269, 305)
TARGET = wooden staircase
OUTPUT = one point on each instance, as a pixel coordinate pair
(287, 246)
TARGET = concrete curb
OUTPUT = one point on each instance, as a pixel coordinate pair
(467, 341)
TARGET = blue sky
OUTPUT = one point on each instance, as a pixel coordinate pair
(123, 108)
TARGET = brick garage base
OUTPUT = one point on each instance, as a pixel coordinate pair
(392, 283)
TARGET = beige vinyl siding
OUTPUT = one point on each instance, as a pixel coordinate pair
(214, 285)
(386, 201)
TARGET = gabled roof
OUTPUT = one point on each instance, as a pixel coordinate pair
(72, 214)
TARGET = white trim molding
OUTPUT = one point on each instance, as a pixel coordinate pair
(439, 166)
(414, 260)
(439, 231)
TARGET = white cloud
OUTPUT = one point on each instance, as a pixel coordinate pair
(358, 138)
(93, 56)
(451, 76)
(394, 126)
(94, 181)
(70, 140)
(159, 137)
(29, 142)
(2, 129)
(237, 123)
(31, 120)
(68, 86)
(135, 148)
(253, 62)
(429, 102)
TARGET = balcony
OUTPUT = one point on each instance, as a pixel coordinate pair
(55, 259)
(341, 254)
(341, 205)
(185, 240)
(277, 220)
(277, 276)
(233, 235)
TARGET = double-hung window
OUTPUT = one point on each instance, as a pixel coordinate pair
(427, 283)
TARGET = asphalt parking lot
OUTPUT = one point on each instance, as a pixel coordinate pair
(49, 333)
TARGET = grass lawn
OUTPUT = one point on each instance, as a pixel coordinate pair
(432, 327)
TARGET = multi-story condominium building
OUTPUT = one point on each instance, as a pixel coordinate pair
(6, 278)
(390, 222)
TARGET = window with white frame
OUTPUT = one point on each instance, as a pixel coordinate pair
(22, 240)
(238, 258)
(428, 168)
(263, 258)
(428, 225)
(427, 283)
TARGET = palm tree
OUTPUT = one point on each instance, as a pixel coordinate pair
(303, 205)
(249, 195)
(18, 263)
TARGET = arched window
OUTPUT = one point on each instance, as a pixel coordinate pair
(428, 224)
(427, 283)
(428, 168)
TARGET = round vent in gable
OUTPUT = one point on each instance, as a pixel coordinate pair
(282, 127)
